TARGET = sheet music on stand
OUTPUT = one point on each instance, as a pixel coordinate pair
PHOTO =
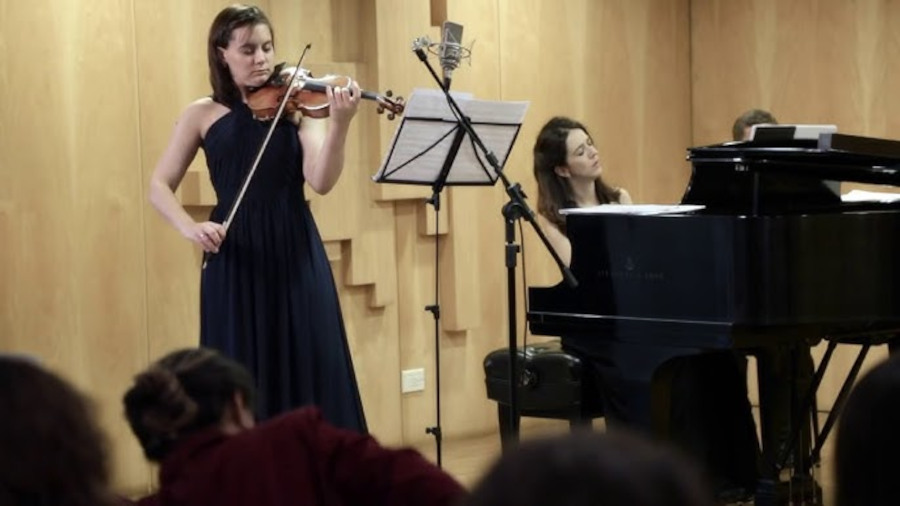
(424, 140)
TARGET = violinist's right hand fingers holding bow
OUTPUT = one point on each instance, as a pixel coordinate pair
(208, 235)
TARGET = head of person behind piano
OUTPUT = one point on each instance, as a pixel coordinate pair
(586, 468)
(740, 131)
(569, 174)
(867, 447)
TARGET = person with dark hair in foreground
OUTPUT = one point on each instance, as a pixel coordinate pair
(191, 412)
(867, 446)
(587, 469)
(51, 450)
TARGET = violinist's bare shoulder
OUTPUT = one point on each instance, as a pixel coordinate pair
(201, 114)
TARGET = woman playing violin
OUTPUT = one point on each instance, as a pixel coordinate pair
(268, 298)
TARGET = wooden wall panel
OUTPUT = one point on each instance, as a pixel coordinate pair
(808, 61)
(375, 347)
(74, 291)
(172, 72)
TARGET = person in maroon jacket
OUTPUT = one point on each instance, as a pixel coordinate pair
(191, 412)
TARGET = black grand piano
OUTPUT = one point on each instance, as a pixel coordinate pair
(774, 259)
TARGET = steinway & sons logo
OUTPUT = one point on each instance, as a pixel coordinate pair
(630, 271)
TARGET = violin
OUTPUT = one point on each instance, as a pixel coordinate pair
(307, 95)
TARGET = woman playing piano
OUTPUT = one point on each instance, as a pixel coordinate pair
(568, 172)
(710, 416)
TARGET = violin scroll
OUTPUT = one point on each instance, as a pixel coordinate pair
(388, 103)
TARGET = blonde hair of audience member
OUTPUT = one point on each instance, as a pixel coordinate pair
(51, 450)
(569, 174)
(740, 131)
(867, 445)
(591, 468)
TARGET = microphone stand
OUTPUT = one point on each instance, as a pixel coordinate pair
(517, 208)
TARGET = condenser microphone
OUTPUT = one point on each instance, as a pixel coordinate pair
(451, 49)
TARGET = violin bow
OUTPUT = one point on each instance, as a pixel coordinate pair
(262, 149)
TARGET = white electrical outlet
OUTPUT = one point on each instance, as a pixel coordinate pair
(412, 380)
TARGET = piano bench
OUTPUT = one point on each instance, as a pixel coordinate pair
(552, 384)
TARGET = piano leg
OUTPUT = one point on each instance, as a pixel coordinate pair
(787, 407)
(785, 375)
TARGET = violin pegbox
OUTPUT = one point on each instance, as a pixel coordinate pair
(386, 102)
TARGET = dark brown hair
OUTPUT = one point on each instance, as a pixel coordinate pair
(225, 90)
(550, 152)
(750, 118)
(51, 449)
(589, 468)
(185, 391)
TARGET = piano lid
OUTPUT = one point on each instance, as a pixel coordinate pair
(775, 175)
(833, 156)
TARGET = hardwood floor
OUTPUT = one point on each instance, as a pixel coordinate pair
(468, 458)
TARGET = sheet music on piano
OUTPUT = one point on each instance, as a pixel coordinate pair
(857, 195)
(634, 209)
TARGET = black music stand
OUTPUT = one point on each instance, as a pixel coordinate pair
(431, 146)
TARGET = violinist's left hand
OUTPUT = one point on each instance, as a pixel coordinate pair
(343, 102)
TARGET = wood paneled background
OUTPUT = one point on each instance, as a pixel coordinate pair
(96, 285)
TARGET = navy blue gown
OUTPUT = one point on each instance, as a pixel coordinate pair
(268, 298)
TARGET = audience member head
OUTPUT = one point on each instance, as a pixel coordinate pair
(867, 442)
(585, 469)
(564, 155)
(740, 131)
(186, 391)
(51, 449)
